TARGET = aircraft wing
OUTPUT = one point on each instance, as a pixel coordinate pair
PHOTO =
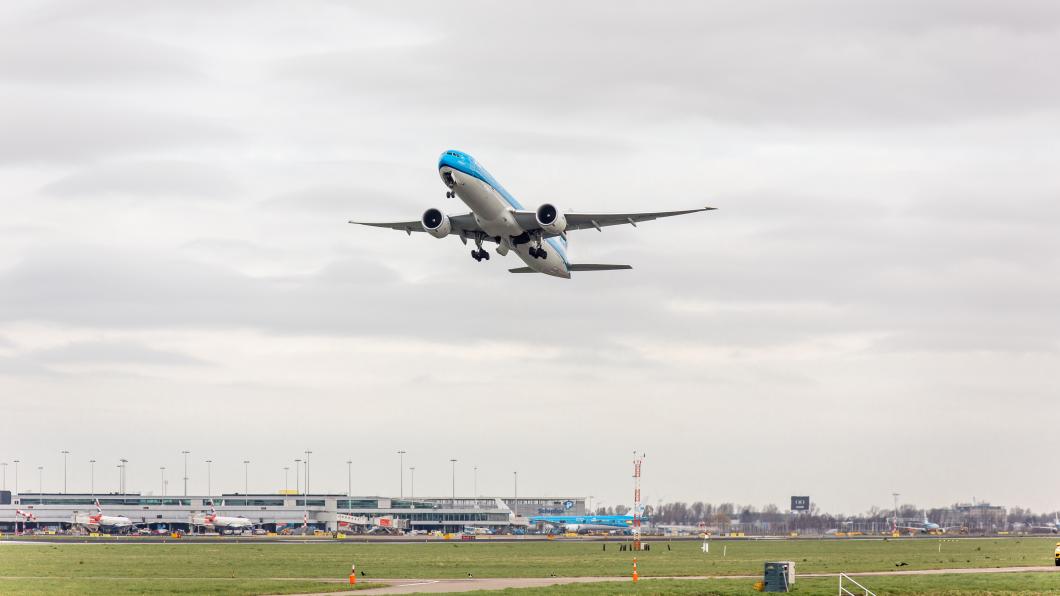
(583, 221)
(462, 225)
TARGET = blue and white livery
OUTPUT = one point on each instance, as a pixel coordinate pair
(537, 237)
(587, 523)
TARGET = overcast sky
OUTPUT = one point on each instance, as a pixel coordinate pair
(872, 309)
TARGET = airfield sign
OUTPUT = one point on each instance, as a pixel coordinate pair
(800, 503)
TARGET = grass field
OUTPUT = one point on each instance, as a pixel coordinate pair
(1009, 584)
(226, 568)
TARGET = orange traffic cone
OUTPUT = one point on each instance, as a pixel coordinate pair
(635, 576)
(353, 574)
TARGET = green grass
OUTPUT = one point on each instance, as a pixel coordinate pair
(219, 586)
(984, 584)
(530, 559)
(227, 568)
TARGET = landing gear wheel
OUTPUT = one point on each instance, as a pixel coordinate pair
(474, 255)
(533, 252)
(448, 194)
(485, 255)
(542, 254)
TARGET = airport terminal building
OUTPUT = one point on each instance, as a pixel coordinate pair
(277, 512)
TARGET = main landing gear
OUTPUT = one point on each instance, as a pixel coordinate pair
(537, 251)
(449, 194)
(479, 253)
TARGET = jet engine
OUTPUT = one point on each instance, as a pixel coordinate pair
(551, 220)
(436, 223)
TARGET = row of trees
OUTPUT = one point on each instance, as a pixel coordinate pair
(724, 516)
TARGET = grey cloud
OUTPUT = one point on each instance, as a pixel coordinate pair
(55, 129)
(146, 180)
(112, 352)
(44, 52)
(820, 72)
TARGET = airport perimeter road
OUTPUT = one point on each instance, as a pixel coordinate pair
(440, 586)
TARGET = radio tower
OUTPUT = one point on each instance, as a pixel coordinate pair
(638, 459)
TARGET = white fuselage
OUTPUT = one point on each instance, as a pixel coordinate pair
(493, 213)
(103, 522)
(221, 521)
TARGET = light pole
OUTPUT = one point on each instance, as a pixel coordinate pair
(5, 474)
(40, 483)
(246, 476)
(476, 486)
(92, 476)
(124, 468)
(305, 499)
(163, 468)
(894, 527)
(66, 455)
(453, 462)
(285, 477)
(515, 499)
(401, 474)
(185, 454)
(16, 475)
(209, 480)
(298, 476)
(412, 472)
(349, 477)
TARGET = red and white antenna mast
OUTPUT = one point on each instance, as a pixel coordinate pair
(638, 459)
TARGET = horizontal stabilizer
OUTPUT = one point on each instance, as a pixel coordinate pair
(579, 267)
(595, 267)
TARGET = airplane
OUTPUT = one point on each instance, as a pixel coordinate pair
(927, 527)
(221, 522)
(538, 237)
(105, 523)
(27, 516)
(1053, 527)
(588, 523)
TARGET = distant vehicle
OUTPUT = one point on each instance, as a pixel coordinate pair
(221, 523)
(99, 522)
(1053, 527)
(1056, 554)
(538, 237)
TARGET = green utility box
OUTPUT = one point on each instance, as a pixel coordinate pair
(779, 576)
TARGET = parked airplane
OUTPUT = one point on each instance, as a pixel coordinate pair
(101, 522)
(927, 527)
(221, 523)
(587, 523)
(497, 217)
(1053, 527)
